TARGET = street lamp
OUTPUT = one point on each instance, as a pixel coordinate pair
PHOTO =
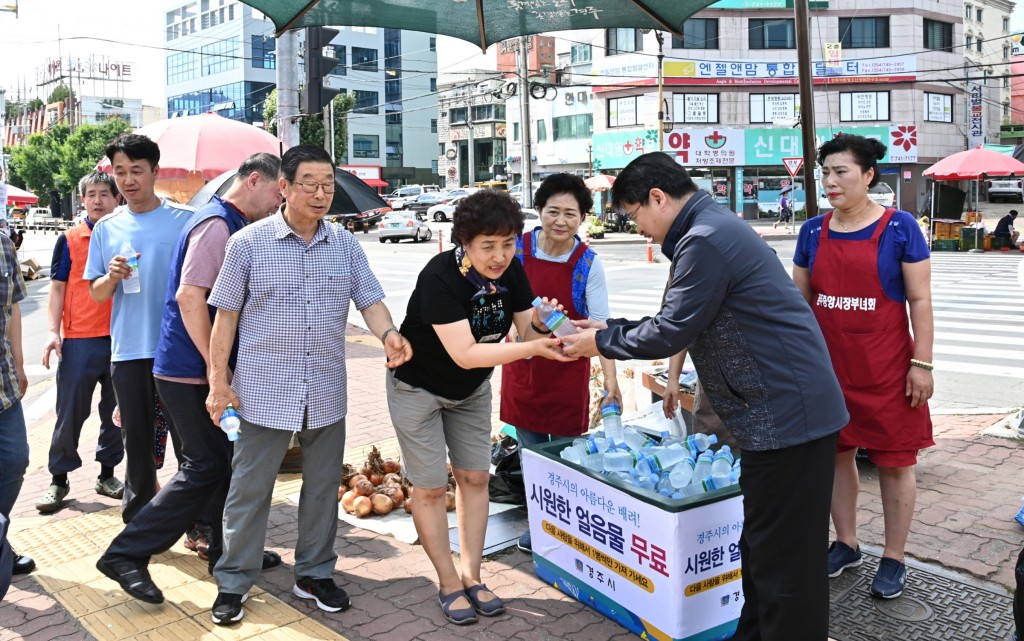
(661, 86)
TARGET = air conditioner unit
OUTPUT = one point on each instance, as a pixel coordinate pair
(569, 99)
(582, 97)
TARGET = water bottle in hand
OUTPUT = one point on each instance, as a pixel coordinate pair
(132, 284)
(554, 320)
(611, 416)
(229, 422)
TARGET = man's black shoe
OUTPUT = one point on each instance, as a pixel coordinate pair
(22, 564)
(132, 577)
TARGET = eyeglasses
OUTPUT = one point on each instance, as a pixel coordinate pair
(310, 188)
(632, 215)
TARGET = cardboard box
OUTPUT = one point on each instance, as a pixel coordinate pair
(666, 569)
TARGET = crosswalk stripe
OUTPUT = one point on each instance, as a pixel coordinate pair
(1018, 329)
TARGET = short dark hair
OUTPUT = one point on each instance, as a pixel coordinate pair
(865, 151)
(652, 170)
(1013, 213)
(299, 154)
(98, 178)
(136, 147)
(563, 183)
(488, 212)
(267, 165)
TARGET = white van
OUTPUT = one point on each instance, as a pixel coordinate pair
(403, 195)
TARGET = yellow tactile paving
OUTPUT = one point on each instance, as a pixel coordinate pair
(91, 597)
(59, 551)
(183, 630)
(103, 520)
(263, 613)
(128, 619)
(43, 536)
(68, 574)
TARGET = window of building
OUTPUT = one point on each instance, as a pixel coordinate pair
(622, 112)
(579, 53)
(695, 107)
(340, 69)
(365, 146)
(864, 33)
(366, 102)
(773, 107)
(182, 66)
(515, 132)
(578, 127)
(241, 101)
(968, 12)
(1006, 24)
(1006, 110)
(1006, 83)
(977, 14)
(433, 84)
(542, 131)
(977, 43)
(220, 56)
(364, 59)
(698, 33)
(773, 33)
(969, 42)
(458, 115)
(623, 41)
(857, 106)
(939, 36)
(938, 107)
(433, 44)
(433, 167)
(1006, 52)
(264, 55)
(433, 125)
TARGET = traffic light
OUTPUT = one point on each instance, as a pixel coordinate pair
(316, 95)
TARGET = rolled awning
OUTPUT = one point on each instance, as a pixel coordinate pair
(374, 182)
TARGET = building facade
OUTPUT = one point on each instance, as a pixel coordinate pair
(471, 114)
(730, 97)
(987, 53)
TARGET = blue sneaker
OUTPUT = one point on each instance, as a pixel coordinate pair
(841, 556)
(890, 579)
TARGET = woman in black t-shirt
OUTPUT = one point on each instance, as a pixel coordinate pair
(464, 304)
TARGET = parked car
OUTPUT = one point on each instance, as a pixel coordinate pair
(443, 211)
(403, 224)
(423, 202)
(1010, 189)
(881, 193)
(461, 191)
(401, 196)
(517, 192)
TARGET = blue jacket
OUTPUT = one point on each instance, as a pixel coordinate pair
(754, 341)
(176, 355)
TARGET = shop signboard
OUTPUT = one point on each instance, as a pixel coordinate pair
(746, 72)
(707, 147)
(976, 116)
(663, 568)
(1016, 46)
(772, 146)
(617, 148)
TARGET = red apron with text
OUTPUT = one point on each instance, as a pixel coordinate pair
(542, 395)
(868, 337)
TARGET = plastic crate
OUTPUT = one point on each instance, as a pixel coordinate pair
(945, 245)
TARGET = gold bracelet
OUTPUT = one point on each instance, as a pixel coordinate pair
(922, 364)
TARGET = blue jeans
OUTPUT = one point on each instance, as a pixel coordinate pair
(13, 456)
(527, 438)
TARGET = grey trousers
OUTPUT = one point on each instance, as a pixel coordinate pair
(258, 455)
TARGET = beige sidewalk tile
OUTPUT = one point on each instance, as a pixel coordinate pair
(61, 551)
(43, 535)
(305, 630)
(87, 598)
(263, 613)
(182, 630)
(130, 618)
(196, 598)
(69, 574)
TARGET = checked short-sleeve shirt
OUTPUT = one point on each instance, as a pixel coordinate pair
(12, 291)
(293, 300)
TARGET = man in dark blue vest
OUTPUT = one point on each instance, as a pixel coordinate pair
(180, 370)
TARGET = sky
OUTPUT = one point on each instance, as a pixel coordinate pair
(123, 31)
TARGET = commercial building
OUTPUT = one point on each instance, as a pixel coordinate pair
(472, 116)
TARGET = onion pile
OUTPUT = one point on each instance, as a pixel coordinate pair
(378, 487)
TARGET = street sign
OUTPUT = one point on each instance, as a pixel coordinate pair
(793, 165)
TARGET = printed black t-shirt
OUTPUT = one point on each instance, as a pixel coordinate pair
(443, 296)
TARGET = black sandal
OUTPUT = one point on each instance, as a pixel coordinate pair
(462, 616)
(133, 579)
(491, 608)
(271, 559)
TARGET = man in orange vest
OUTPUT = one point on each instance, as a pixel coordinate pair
(80, 338)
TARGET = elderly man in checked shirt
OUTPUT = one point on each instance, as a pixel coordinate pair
(285, 288)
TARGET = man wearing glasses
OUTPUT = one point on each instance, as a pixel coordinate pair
(766, 370)
(284, 290)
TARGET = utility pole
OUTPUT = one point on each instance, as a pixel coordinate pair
(524, 116)
(472, 159)
(803, 55)
(288, 88)
(661, 86)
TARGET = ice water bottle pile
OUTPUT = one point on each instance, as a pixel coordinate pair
(671, 466)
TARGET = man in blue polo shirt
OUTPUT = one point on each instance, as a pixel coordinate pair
(147, 226)
(180, 370)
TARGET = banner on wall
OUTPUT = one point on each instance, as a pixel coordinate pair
(746, 72)
(976, 116)
(714, 147)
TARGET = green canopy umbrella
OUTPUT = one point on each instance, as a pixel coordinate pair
(482, 22)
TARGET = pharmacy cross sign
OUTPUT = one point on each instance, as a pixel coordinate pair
(793, 165)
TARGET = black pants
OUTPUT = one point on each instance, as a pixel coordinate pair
(199, 487)
(784, 546)
(136, 398)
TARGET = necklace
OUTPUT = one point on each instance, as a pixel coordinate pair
(843, 224)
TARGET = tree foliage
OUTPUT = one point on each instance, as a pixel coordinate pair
(59, 94)
(311, 129)
(58, 158)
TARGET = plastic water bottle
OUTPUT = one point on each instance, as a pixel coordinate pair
(229, 422)
(573, 455)
(556, 321)
(618, 461)
(667, 457)
(132, 284)
(701, 442)
(723, 461)
(611, 416)
(703, 466)
(682, 473)
(635, 440)
(718, 481)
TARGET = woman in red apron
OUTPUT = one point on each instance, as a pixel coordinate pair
(542, 398)
(860, 268)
